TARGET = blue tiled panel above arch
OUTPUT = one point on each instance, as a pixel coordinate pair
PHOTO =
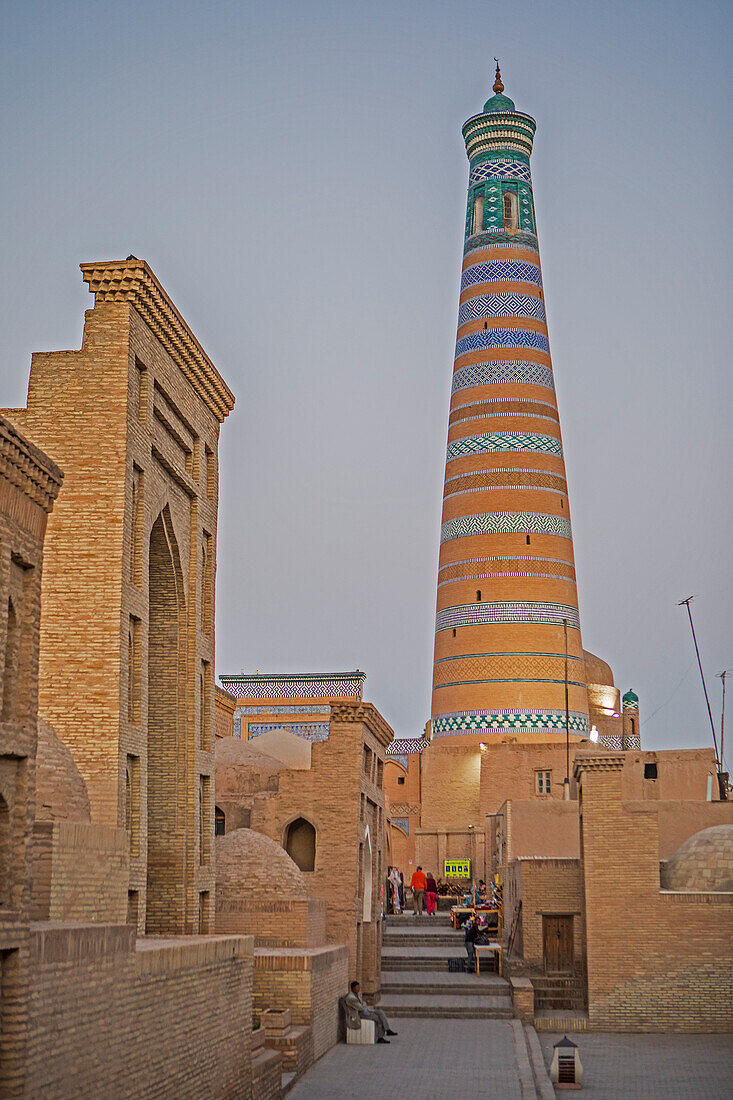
(506, 271)
(504, 372)
(501, 305)
(502, 338)
(499, 170)
(503, 523)
(506, 611)
(504, 441)
(309, 731)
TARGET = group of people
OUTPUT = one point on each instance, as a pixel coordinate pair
(425, 889)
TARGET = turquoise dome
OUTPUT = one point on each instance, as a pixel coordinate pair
(499, 102)
(630, 696)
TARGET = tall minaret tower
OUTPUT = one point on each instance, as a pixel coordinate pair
(507, 598)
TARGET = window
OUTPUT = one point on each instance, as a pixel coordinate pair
(141, 372)
(300, 843)
(454, 632)
(510, 210)
(543, 782)
(205, 706)
(650, 770)
(527, 540)
(478, 213)
(136, 525)
(210, 461)
(206, 581)
(204, 785)
(401, 780)
(132, 802)
(133, 672)
(220, 822)
(478, 595)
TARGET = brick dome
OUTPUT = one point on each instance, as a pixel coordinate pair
(256, 867)
(61, 794)
(704, 862)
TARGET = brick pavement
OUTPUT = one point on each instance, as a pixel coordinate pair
(429, 1060)
(652, 1066)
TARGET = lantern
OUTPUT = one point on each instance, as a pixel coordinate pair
(566, 1071)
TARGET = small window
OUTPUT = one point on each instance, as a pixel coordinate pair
(454, 632)
(527, 540)
(220, 822)
(510, 210)
(478, 595)
(650, 771)
(543, 782)
(300, 843)
(478, 213)
(400, 780)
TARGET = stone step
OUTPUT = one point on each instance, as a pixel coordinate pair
(447, 1007)
(420, 958)
(405, 939)
(404, 919)
(425, 982)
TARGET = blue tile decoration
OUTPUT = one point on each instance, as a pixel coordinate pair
(504, 487)
(632, 741)
(502, 271)
(497, 406)
(498, 572)
(309, 731)
(506, 611)
(402, 823)
(501, 305)
(305, 708)
(497, 238)
(406, 745)
(504, 373)
(400, 758)
(502, 338)
(501, 523)
(504, 441)
(499, 170)
(314, 685)
(444, 725)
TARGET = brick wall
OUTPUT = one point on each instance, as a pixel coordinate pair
(80, 872)
(656, 961)
(109, 1020)
(546, 887)
(309, 983)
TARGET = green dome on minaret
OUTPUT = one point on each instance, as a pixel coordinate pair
(498, 102)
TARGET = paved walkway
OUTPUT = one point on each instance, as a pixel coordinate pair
(652, 1067)
(429, 1060)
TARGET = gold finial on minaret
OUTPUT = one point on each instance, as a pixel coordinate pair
(498, 86)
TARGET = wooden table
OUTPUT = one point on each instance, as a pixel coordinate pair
(493, 948)
(459, 913)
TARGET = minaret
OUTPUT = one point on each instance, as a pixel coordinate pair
(507, 597)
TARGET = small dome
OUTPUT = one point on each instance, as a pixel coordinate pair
(61, 794)
(704, 862)
(630, 699)
(250, 864)
(499, 102)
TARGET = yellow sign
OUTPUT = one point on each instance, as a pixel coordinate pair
(457, 868)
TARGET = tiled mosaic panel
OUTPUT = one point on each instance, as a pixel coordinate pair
(507, 372)
(499, 170)
(402, 823)
(502, 523)
(506, 611)
(504, 441)
(478, 481)
(309, 731)
(508, 668)
(503, 406)
(406, 744)
(497, 238)
(470, 569)
(303, 708)
(507, 271)
(502, 338)
(501, 305)
(400, 758)
(252, 688)
(632, 742)
(444, 725)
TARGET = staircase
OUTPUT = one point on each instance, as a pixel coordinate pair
(417, 982)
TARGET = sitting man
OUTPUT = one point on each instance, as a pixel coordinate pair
(472, 936)
(366, 1012)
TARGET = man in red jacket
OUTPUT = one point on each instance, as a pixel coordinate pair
(419, 885)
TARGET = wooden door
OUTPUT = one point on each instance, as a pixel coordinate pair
(557, 944)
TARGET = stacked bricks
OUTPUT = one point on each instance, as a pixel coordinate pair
(29, 484)
(127, 637)
(506, 579)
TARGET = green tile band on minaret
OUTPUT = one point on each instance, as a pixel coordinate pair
(506, 579)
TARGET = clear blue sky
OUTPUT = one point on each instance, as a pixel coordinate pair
(295, 175)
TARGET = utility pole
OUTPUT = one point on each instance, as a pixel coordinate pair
(686, 603)
(566, 784)
(722, 675)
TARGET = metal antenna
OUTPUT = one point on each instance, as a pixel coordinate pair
(686, 603)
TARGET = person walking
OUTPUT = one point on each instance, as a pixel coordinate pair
(394, 879)
(431, 895)
(418, 884)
